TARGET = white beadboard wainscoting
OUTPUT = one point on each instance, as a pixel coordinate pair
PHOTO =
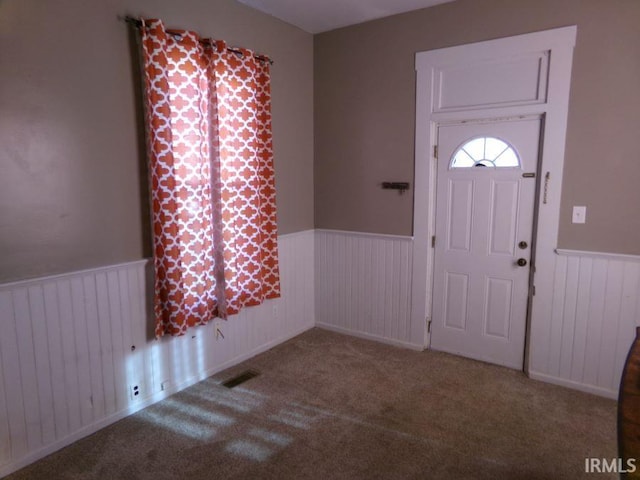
(582, 336)
(67, 362)
(363, 286)
(584, 317)
(73, 345)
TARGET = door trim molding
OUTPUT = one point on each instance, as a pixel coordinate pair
(560, 42)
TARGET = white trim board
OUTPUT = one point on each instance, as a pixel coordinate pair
(75, 273)
(621, 257)
(349, 233)
(601, 392)
(369, 336)
(115, 266)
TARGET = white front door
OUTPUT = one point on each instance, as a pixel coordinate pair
(486, 183)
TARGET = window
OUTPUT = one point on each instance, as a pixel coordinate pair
(212, 178)
(485, 152)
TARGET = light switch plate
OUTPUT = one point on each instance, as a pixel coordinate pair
(579, 214)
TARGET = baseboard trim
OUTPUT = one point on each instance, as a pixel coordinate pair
(601, 392)
(370, 336)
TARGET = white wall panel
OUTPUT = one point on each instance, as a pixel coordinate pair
(12, 387)
(579, 341)
(364, 285)
(73, 344)
(583, 340)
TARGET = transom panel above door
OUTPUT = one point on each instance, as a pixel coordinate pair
(485, 196)
(488, 82)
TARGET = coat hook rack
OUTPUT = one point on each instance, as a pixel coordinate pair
(401, 187)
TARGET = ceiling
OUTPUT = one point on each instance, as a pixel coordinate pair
(315, 16)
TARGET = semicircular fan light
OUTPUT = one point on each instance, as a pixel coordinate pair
(485, 152)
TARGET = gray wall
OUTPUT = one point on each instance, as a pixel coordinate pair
(73, 191)
(365, 113)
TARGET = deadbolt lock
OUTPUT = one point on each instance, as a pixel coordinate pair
(523, 245)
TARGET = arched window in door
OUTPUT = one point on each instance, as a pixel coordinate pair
(485, 152)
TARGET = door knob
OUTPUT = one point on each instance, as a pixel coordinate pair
(523, 245)
(521, 262)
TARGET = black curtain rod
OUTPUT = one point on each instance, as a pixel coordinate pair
(136, 22)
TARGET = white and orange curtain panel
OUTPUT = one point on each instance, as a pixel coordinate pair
(208, 115)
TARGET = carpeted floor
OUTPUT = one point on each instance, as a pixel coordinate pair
(328, 406)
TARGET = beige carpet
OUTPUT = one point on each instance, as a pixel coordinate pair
(328, 406)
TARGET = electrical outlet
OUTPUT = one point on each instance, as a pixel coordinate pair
(579, 214)
(135, 391)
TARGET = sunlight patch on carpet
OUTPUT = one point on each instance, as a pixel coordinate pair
(200, 413)
(250, 450)
(180, 426)
(226, 398)
(271, 437)
(293, 419)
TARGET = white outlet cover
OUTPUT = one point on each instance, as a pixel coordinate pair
(135, 391)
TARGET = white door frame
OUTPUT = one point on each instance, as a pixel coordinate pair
(553, 108)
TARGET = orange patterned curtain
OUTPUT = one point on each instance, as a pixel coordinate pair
(208, 114)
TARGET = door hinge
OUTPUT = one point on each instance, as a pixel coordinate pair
(435, 152)
(533, 292)
(428, 325)
(433, 241)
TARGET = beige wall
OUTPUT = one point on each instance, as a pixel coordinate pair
(365, 113)
(71, 177)
(72, 192)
